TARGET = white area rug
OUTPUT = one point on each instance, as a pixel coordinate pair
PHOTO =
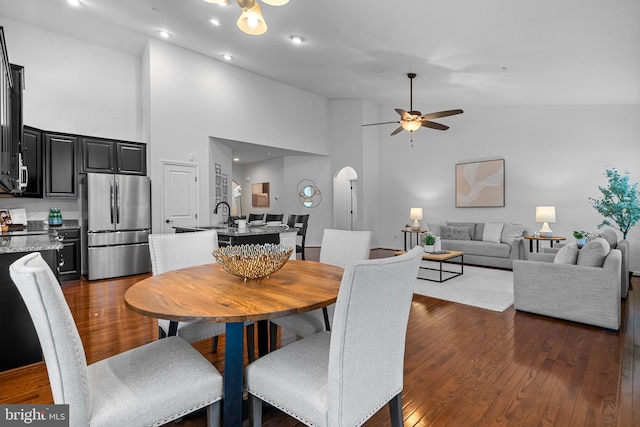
(480, 287)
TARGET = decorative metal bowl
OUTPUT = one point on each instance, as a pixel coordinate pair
(252, 261)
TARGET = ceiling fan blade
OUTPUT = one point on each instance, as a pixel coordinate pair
(397, 131)
(434, 125)
(439, 114)
(404, 114)
(383, 123)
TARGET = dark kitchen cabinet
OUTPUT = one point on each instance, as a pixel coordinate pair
(132, 158)
(60, 169)
(70, 263)
(33, 157)
(98, 155)
(109, 156)
(19, 344)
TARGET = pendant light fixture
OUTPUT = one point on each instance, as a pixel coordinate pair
(251, 20)
(276, 2)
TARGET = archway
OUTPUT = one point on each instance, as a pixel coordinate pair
(345, 200)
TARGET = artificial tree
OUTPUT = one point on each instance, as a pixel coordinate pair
(619, 202)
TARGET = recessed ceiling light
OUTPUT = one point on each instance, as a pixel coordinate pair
(214, 21)
(297, 39)
(74, 2)
(164, 34)
(235, 159)
(227, 57)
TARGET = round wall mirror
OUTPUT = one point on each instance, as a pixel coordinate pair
(310, 195)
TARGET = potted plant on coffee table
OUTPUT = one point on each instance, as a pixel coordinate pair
(581, 238)
(429, 241)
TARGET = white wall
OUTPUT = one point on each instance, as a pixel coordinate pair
(192, 98)
(554, 155)
(175, 100)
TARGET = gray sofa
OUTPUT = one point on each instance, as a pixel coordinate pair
(468, 238)
(580, 293)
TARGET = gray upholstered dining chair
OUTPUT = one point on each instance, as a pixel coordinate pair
(344, 376)
(180, 250)
(337, 248)
(148, 385)
(256, 217)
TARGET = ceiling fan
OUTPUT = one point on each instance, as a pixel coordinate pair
(412, 120)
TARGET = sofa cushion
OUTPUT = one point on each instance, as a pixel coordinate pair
(511, 232)
(434, 228)
(455, 233)
(492, 232)
(479, 231)
(471, 225)
(593, 253)
(568, 254)
(611, 237)
(474, 247)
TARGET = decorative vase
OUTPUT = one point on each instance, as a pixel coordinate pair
(437, 246)
(428, 248)
(581, 242)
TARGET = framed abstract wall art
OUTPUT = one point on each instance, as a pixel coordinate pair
(480, 184)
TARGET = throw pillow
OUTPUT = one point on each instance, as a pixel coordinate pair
(434, 228)
(471, 225)
(511, 232)
(492, 232)
(611, 237)
(455, 233)
(479, 231)
(593, 253)
(568, 254)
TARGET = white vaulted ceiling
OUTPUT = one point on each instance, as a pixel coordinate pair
(465, 52)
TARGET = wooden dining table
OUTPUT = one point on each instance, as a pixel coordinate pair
(207, 293)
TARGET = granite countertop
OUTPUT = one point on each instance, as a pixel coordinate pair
(34, 237)
(29, 243)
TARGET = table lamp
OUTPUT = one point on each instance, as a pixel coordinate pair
(415, 215)
(545, 214)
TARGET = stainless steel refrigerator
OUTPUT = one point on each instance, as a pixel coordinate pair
(118, 225)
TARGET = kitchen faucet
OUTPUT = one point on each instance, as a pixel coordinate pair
(230, 218)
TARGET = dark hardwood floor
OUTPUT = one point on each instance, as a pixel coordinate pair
(464, 366)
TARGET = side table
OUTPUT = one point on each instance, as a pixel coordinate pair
(538, 239)
(411, 232)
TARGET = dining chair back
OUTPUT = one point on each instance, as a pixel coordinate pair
(180, 250)
(343, 377)
(301, 222)
(148, 385)
(256, 217)
(274, 217)
(338, 247)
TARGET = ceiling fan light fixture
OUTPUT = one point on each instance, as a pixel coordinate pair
(251, 21)
(275, 2)
(411, 125)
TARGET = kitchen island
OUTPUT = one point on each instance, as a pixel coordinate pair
(19, 344)
(250, 235)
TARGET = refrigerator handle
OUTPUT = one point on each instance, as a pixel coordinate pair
(112, 196)
(117, 201)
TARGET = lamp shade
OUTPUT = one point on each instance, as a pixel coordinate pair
(416, 213)
(251, 21)
(545, 214)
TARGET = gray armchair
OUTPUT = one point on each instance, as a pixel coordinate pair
(148, 385)
(578, 293)
(623, 245)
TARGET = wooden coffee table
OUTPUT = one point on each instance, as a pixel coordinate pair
(440, 258)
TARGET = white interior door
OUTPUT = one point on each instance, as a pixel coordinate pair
(179, 195)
